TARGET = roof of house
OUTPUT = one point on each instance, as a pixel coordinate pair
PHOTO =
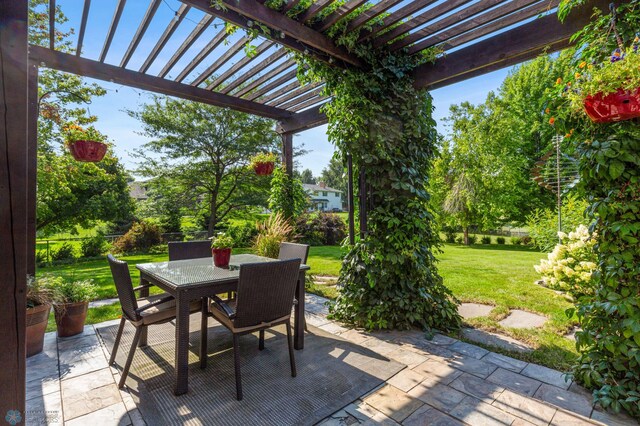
(314, 187)
(138, 191)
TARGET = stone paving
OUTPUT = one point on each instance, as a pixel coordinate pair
(446, 382)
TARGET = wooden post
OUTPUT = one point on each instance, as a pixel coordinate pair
(32, 147)
(287, 152)
(350, 204)
(362, 196)
(14, 186)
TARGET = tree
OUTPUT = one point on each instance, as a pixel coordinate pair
(287, 196)
(335, 174)
(203, 151)
(307, 176)
(70, 193)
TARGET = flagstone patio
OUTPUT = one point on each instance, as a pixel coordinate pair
(446, 382)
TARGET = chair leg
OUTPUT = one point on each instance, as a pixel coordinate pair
(236, 362)
(132, 351)
(291, 356)
(261, 342)
(112, 359)
(204, 314)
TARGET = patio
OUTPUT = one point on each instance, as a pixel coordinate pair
(445, 381)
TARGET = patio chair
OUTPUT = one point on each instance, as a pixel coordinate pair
(263, 300)
(294, 251)
(189, 249)
(142, 312)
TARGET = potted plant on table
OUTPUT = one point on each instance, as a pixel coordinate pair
(264, 163)
(221, 250)
(39, 297)
(71, 301)
(85, 144)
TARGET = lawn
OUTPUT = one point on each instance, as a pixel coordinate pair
(499, 275)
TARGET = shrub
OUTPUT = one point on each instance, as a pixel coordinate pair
(543, 224)
(321, 229)
(450, 236)
(64, 252)
(274, 230)
(287, 194)
(459, 239)
(569, 267)
(41, 257)
(141, 237)
(500, 240)
(93, 246)
(73, 291)
(473, 239)
(526, 240)
(243, 235)
(486, 240)
(516, 241)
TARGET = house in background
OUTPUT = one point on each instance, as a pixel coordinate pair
(138, 190)
(323, 198)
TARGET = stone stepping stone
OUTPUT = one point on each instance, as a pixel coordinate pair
(496, 340)
(474, 310)
(523, 319)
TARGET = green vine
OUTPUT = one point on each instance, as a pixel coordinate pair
(609, 343)
(389, 278)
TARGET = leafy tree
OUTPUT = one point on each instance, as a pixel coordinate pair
(335, 174)
(68, 192)
(307, 176)
(203, 152)
(288, 196)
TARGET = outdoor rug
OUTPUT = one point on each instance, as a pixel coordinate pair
(332, 373)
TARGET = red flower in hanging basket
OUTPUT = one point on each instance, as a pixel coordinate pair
(85, 144)
(264, 169)
(618, 106)
(88, 151)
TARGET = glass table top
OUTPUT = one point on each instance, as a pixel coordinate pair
(192, 272)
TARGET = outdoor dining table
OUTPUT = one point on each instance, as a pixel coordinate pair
(193, 279)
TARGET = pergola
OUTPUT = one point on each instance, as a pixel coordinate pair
(476, 37)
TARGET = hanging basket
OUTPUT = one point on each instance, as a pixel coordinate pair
(264, 169)
(619, 106)
(88, 151)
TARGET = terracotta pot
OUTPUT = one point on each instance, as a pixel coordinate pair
(88, 151)
(37, 318)
(264, 169)
(70, 318)
(221, 257)
(618, 106)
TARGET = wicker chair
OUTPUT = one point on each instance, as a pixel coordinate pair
(189, 250)
(142, 312)
(256, 309)
(294, 251)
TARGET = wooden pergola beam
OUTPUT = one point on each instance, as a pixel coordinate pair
(254, 70)
(142, 29)
(505, 49)
(101, 71)
(166, 35)
(509, 48)
(297, 36)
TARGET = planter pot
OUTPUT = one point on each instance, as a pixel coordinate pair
(264, 169)
(37, 318)
(88, 151)
(221, 257)
(70, 318)
(618, 106)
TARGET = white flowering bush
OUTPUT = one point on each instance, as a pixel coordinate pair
(569, 267)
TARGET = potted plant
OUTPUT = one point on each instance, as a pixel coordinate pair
(264, 163)
(71, 301)
(221, 250)
(85, 145)
(38, 307)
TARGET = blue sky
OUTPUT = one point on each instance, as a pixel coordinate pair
(124, 130)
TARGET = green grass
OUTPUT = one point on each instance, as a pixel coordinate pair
(499, 275)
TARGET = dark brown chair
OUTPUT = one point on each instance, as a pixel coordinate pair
(294, 251)
(189, 249)
(263, 300)
(143, 312)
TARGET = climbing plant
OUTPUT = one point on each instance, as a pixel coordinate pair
(609, 343)
(389, 278)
